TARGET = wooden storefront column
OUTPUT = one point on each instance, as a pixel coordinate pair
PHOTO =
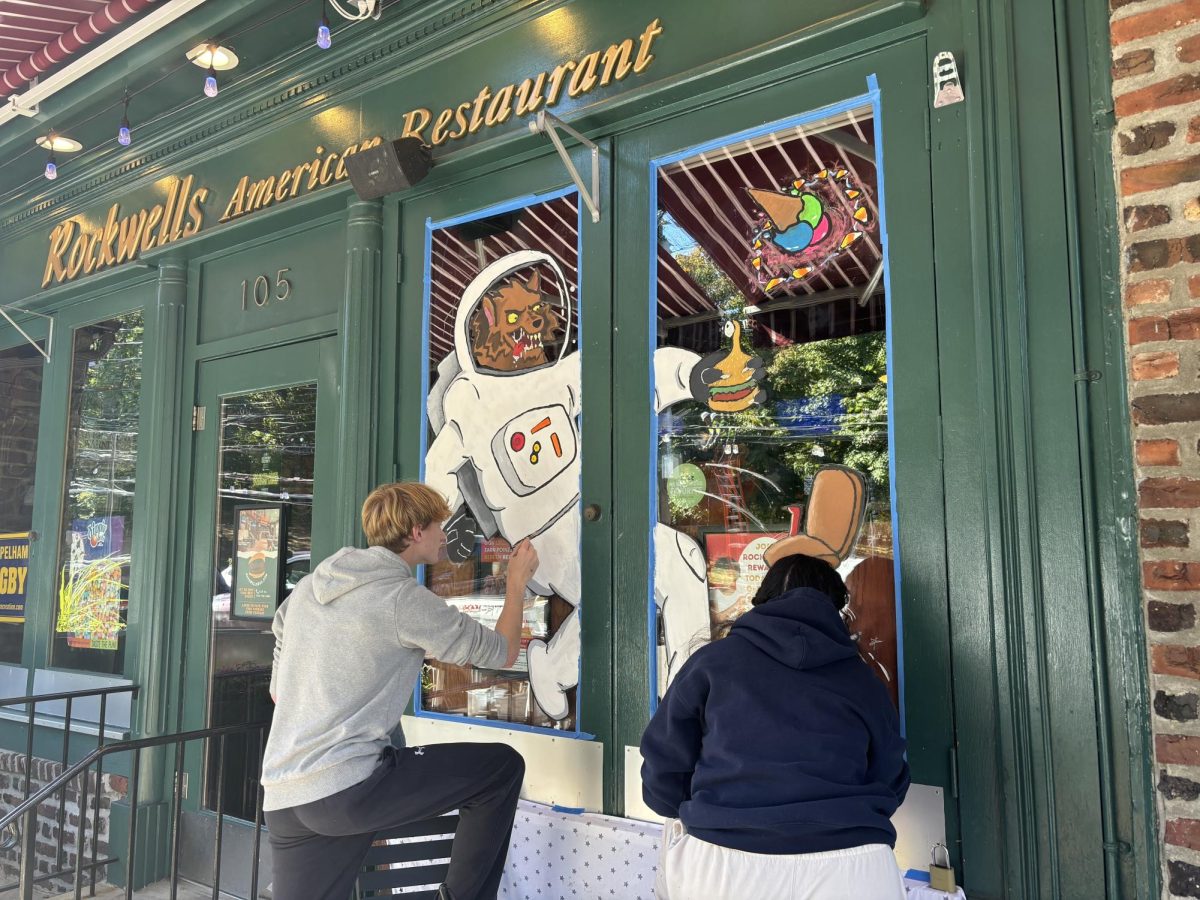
(358, 331)
(158, 453)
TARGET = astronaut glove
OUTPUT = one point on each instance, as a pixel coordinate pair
(460, 536)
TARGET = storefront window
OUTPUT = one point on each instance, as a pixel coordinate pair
(93, 583)
(21, 373)
(503, 446)
(772, 362)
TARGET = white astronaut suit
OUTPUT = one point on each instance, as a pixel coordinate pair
(507, 444)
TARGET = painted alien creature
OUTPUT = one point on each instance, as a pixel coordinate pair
(504, 413)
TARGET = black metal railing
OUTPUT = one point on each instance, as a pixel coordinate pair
(31, 702)
(26, 812)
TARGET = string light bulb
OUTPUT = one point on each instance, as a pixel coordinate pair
(124, 135)
(51, 164)
(210, 83)
(324, 38)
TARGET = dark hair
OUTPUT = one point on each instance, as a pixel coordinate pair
(800, 571)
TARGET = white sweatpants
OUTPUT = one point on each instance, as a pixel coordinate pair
(692, 869)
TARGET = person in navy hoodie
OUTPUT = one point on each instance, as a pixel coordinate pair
(776, 756)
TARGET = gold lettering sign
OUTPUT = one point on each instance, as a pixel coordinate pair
(325, 168)
(75, 250)
(574, 77)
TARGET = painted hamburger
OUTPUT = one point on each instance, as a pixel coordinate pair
(729, 381)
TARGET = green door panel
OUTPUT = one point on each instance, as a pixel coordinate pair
(312, 363)
(515, 186)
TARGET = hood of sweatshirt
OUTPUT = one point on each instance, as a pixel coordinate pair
(800, 629)
(353, 569)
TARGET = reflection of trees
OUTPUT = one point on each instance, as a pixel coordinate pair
(105, 398)
(267, 443)
(827, 403)
(106, 381)
(268, 452)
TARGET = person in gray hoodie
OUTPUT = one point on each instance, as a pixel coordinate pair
(350, 643)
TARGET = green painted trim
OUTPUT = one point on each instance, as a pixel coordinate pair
(1116, 519)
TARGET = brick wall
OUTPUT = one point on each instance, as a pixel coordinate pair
(1156, 89)
(12, 792)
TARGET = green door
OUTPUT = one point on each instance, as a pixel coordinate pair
(261, 507)
(503, 368)
(789, 230)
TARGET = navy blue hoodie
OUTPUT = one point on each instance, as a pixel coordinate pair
(778, 738)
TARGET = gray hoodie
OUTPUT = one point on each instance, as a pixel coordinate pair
(349, 645)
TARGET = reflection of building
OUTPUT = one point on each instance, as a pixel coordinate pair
(939, 303)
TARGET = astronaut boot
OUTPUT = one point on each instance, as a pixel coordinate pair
(554, 668)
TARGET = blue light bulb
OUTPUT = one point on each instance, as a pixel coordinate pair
(124, 136)
(324, 39)
(51, 170)
(210, 84)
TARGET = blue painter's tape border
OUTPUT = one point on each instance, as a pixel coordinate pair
(507, 726)
(496, 209)
(876, 99)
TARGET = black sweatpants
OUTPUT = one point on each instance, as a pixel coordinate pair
(319, 847)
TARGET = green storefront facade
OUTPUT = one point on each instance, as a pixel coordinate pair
(230, 244)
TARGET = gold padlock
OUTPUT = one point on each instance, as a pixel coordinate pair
(941, 874)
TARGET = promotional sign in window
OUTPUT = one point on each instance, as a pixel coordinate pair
(258, 563)
(14, 567)
(735, 570)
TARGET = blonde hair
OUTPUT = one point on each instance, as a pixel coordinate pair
(392, 511)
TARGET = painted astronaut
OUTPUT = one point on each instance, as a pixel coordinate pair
(506, 444)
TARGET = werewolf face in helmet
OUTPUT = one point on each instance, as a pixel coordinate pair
(512, 326)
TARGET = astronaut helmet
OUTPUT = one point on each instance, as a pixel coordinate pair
(515, 316)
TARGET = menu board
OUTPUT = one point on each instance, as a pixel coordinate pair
(258, 561)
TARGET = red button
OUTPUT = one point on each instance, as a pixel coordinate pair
(517, 441)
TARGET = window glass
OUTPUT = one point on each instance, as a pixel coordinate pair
(92, 606)
(267, 462)
(772, 362)
(21, 374)
(503, 447)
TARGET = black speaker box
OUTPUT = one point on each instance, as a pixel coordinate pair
(392, 166)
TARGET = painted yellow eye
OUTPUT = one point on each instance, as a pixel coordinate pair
(537, 307)
(512, 318)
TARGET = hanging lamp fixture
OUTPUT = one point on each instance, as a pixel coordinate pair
(56, 143)
(214, 58)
